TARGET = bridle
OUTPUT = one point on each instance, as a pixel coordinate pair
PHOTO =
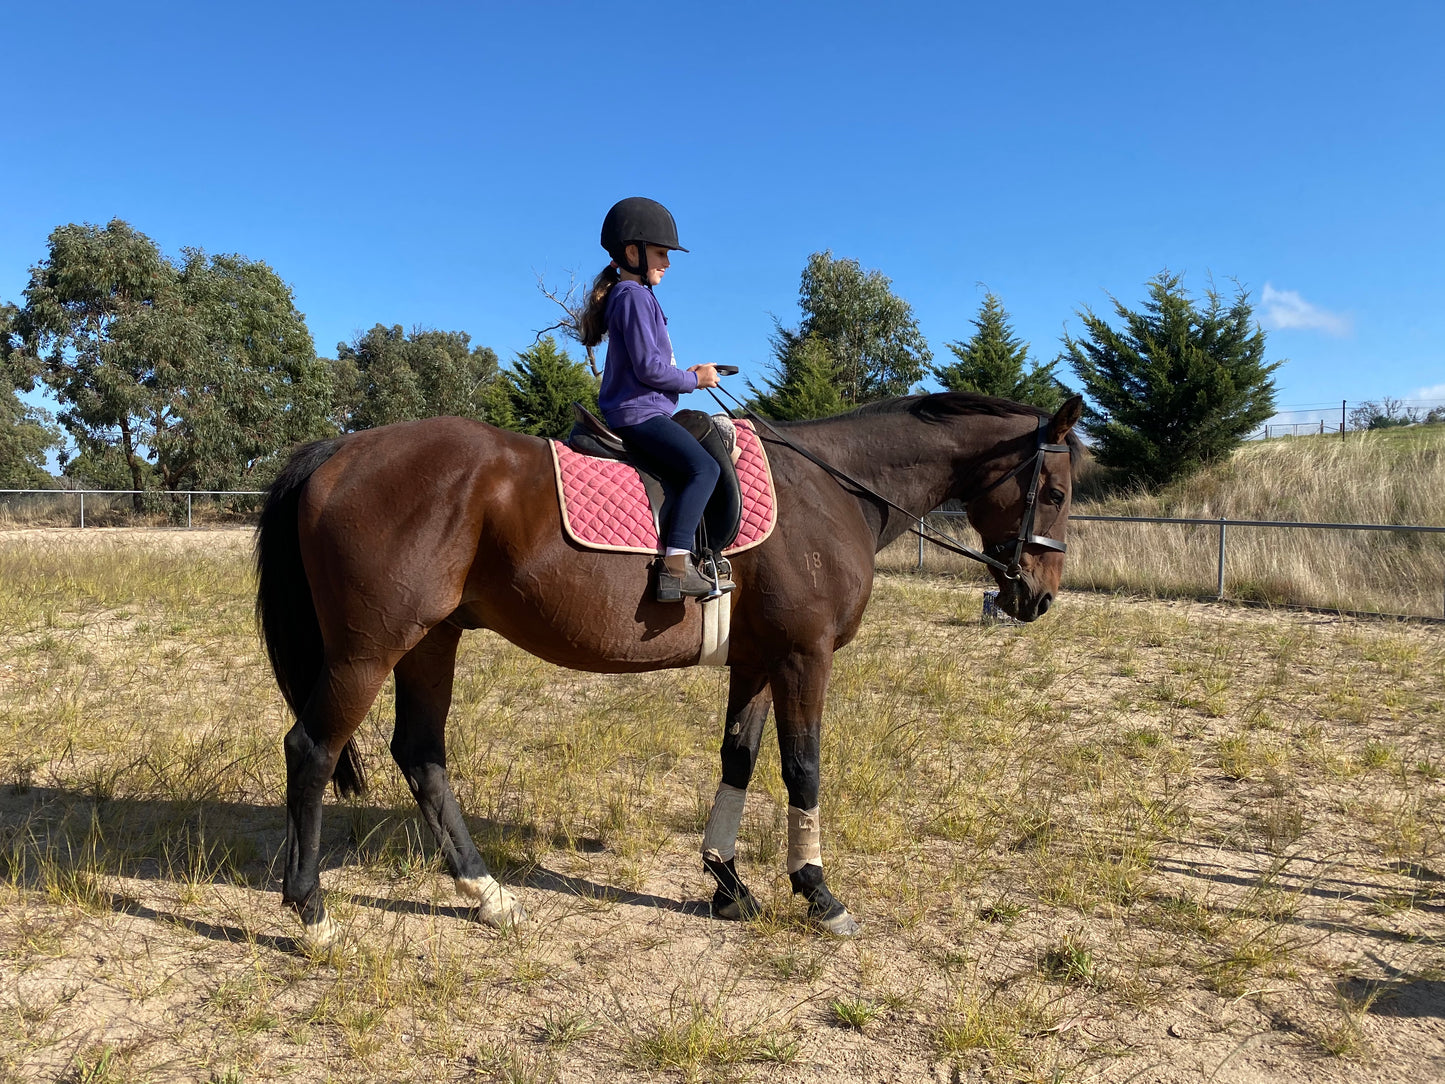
(1012, 569)
(993, 555)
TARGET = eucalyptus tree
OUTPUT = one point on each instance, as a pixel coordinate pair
(192, 374)
(387, 376)
(863, 334)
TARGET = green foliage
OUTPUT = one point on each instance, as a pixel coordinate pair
(536, 394)
(1177, 386)
(251, 389)
(805, 384)
(868, 334)
(385, 376)
(992, 363)
(197, 375)
(26, 434)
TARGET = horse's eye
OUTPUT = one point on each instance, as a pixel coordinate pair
(1056, 496)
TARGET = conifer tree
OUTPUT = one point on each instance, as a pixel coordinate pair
(804, 384)
(992, 363)
(536, 394)
(1177, 385)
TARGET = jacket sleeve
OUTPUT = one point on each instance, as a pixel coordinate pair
(651, 354)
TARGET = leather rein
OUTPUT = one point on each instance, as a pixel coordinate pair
(993, 556)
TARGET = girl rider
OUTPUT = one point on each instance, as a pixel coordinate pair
(641, 381)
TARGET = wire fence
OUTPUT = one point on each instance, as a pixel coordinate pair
(1361, 567)
(1379, 568)
(183, 508)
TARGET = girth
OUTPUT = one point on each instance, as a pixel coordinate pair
(723, 515)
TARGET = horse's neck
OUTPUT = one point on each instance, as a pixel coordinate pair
(916, 465)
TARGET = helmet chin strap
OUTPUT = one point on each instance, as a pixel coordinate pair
(640, 268)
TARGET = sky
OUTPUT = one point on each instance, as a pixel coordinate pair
(426, 164)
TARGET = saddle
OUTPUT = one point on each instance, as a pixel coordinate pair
(722, 518)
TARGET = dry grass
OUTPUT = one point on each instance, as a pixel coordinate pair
(1392, 476)
(1135, 837)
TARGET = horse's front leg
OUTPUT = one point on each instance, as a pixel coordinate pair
(800, 685)
(748, 701)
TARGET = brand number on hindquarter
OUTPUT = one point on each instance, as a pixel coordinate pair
(813, 562)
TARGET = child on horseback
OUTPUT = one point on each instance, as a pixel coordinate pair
(641, 380)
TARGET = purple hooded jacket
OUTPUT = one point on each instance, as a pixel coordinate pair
(641, 379)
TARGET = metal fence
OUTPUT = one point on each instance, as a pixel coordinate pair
(1222, 526)
(191, 509)
(147, 507)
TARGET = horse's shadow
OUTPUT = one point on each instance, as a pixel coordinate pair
(50, 832)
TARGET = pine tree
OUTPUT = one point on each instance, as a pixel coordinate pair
(804, 383)
(992, 363)
(536, 394)
(1177, 386)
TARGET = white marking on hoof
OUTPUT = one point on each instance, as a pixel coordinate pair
(842, 925)
(496, 906)
(322, 933)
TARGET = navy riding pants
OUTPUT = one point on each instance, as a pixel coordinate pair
(685, 465)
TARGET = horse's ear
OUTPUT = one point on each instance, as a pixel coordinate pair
(1065, 418)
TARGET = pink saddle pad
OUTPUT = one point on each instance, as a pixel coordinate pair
(604, 506)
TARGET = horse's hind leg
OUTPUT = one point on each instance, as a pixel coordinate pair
(748, 701)
(337, 704)
(423, 698)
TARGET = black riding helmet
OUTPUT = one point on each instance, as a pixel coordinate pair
(638, 221)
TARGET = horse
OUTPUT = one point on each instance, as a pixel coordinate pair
(376, 550)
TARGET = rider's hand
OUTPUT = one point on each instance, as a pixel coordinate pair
(706, 375)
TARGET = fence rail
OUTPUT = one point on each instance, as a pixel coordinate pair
(1223, 523)
(247, 498)
(151, 496)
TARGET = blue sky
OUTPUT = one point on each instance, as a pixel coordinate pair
(423, 164)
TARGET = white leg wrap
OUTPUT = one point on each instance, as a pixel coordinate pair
(496, 905)
(805, 846)
(720, 837)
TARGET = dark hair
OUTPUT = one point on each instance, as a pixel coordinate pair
(593, 324)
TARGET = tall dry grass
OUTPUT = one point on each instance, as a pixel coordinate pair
(1389, 477)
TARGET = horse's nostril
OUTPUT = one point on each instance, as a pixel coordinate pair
(1044, 604)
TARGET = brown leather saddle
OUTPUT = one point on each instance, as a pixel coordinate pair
(724, 513)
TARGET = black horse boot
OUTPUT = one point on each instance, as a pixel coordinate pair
(677, 577)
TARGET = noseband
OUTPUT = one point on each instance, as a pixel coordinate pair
(994, 555)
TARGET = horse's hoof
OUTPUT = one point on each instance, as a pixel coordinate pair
(737, 908)
(320, 935)
(841, 924)
(496, 906)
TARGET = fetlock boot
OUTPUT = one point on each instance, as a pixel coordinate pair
(678, 577)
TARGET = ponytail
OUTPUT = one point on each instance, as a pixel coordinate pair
(593, 324)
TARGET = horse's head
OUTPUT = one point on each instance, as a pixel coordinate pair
(1022, 514)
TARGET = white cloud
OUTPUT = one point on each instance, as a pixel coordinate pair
(1435, 392)
(1286, 310)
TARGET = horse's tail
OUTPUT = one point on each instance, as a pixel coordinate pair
(285, 610)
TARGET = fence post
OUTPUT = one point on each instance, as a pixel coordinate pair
(188, 511)
(920, 551)
(1221, 557)
(82, 508)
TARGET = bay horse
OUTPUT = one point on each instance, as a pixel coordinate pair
(377, 549)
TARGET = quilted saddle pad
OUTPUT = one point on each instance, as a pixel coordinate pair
(604, 506)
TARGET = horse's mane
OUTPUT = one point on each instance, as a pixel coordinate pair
(950, 404)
